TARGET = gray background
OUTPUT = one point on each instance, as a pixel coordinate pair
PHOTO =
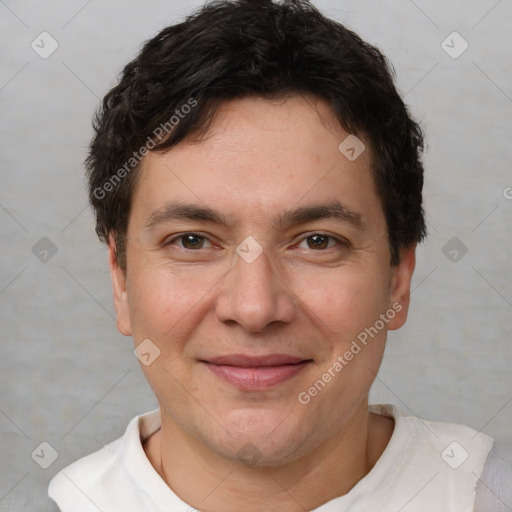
(68, 378)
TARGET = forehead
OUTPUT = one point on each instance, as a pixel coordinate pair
(255, 124)
(260, 155)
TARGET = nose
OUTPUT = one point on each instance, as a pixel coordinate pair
(254, 296)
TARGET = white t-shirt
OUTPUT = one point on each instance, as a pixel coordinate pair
(426, 467)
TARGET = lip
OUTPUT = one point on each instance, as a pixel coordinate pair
(251, 373)
(246, 361)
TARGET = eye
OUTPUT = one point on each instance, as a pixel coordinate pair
(319, 241)
(190, 241)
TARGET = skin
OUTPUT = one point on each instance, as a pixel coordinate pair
(259, 159)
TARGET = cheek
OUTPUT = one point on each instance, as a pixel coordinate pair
(345, 300)
(163, 300)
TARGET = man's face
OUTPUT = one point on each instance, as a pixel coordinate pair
(246, 326)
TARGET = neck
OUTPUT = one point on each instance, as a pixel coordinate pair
(210, 482)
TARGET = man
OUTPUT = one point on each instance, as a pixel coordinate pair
(259, 184)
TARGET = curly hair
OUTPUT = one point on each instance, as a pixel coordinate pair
(232, 49)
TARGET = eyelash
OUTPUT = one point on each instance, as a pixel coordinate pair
(339, 241)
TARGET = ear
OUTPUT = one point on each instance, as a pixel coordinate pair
(118, 276)
(401, 287)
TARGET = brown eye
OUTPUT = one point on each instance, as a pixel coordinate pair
(318, 241)
(191, 241)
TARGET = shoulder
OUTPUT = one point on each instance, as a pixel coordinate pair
(79, 485)
(494, 487)
(455, 442)
(448, 439)
(95, 480)
(446, 458)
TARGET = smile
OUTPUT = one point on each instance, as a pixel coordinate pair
(256, 373)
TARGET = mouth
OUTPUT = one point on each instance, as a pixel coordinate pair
(251, 373)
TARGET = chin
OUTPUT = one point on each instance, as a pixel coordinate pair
(258, 438)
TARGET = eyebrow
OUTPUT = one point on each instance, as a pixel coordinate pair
(184, 211)
(332, 210)
(193, 212)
